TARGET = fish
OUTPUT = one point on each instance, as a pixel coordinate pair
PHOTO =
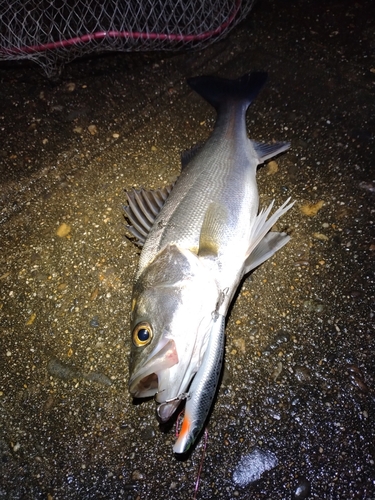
(199, 238)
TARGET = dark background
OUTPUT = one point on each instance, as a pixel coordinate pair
(299, 376)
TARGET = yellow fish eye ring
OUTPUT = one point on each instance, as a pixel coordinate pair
(142, 334)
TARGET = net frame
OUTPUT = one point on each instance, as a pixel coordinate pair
(57, 31)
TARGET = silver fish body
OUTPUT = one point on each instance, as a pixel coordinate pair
(206, 236)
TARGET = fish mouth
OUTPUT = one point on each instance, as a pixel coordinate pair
(145, 382)
(148, 383)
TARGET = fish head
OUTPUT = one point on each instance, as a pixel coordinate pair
(173, 302)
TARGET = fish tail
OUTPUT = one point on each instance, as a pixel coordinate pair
(219, 91)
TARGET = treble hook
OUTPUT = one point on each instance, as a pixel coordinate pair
(180, 397)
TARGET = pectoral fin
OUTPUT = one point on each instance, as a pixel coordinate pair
(269, 245)
(264, 244)
(211, 234)
(143, 208)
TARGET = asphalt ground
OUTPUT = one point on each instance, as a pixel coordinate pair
(294, 416)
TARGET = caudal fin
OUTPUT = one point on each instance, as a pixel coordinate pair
(218, 91)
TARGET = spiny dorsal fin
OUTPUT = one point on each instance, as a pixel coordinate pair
(143, 207)
(214, 221)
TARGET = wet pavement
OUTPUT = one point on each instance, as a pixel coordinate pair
(294, 416)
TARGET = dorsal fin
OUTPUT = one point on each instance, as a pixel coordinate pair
(143, 207)
(266, 151)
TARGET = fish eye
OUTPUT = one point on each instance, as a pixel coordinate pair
(142, 334)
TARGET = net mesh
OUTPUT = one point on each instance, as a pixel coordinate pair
(56, 31)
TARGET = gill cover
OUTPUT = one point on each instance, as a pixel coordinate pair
(173, 299)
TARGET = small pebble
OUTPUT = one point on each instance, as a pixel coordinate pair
(272, 167)
(282, 338)
(302, 374)
(311, 209)
(277, 371)
(313, 306)
(320, 236)
(31, 319)
(368, 186)
(61, 370)
(94, 294)
(137, 475)
(94, 322)
(93, 129)
(147, 433)
(63, 230)
(240, 343)
(358, 382)
(57, 107)
(302, 490)
(301, 263)
(354, 369)
(70, 87)
(99, 378)
(32, 127)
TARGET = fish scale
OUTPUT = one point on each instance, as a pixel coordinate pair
(204, 180)
(206, 237)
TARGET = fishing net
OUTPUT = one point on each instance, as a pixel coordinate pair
(53, 32)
